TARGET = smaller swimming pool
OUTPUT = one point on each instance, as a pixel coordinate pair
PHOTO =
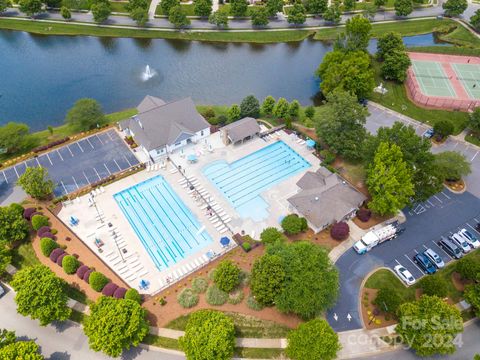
(242, 181)
(165, 226)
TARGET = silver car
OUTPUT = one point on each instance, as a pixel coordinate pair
(461, 243)
(470, 238)
(434, 258)
(404, 274)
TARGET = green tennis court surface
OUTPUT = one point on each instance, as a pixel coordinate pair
(432, 79)
(469, 76)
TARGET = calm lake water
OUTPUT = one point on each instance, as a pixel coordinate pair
(43, 76)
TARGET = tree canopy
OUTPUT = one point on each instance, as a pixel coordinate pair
(271, 235)
(13, 227)
(31, 7)
(475, 20)
(403, 7)
(429, 325)
(267, 281)
(388, 42)
(250, 107)
(260, 16)
(357, 34)
(452, 165)
(5, 257)
(474, 120)
(85, 115)
(350, 71)
(238, 7)
(27, 350)
(40, 294)
(115, 325)
(4, 5)
(395, 65)
(168, 4)
(202, 8)
(268, 105)
(139, 15)
(455, 7)
(333, 13)
(7, 337)
(274, 6)
(313, 340)
(219, 18)
(14, 137)
(342, 126)
(36, 182)
(297, 14)
(233, 113)
(208, 335)
(389, 180)
(472, 296)
(293, 224)
(177, 17)
(100, 11)
(227, 276)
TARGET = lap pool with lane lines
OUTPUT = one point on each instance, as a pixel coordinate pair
(242, 181)
(165, 226)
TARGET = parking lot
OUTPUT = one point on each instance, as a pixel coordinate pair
(77, 164)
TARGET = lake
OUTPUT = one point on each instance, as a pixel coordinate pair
(43, 76)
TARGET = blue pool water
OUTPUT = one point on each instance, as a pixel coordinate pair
(165, 226)
(242, 181)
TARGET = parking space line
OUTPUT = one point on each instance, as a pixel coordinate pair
(75, 181)
(478, 232)
(78, 143)
(448, 197)
(64, 188)
(416, 252)
(474, 156)
(110, 135)
(397, 262)
(430, 203)
(90, 143)
(96, 172)
(71, 153)
(119, 168)
(16, 172)
(51, 163)
(109, 172)
(413, 263)
(38, 162)
(99, 139)
(436, 197)
(456, 144)
(5, 176)
(88, 181)
(129, 163)
(61, 157)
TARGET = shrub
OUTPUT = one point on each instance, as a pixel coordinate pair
(28, 213)
(42, 230)
(132, 294)
(82, 270)
(211, 274)
(443, 128)
(209, 113)
(60, 259)
(215, 296)
(434, 286)
(236, 297)
(86, 276)
(468, 268)
(47, 245)
(70, 264)
(293, 224)
(388, 300)
(187, 298)
(38, 221)
(271, 235)
(56, 253)
(246, 246)
(54, 231)
(48, 235)
(109, 289)
(340, 231)
(227, 276)
(364, 215)
(199, 285)
(254, 304)
(97, 281)
(327, 156)
(120, 293)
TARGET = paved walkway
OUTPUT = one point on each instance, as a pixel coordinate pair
(153, 8)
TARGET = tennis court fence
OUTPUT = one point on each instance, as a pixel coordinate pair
(436, 102)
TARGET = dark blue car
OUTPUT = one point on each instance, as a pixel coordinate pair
(424, 263)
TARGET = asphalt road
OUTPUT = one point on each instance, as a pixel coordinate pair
(64, 341)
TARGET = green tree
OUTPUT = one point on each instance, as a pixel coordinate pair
(260, 16)
(268, 105)
(4, 5)
(311, 280)
(427, 319)
(452, 165)
(14, 137)
(389, 42)
(202, 8)
(208, 335)
(20, 350)
(350, 71)
(40, 294)
(53, 3)
(293, 224)
(168, 4)
(30, 7)
(474, 120)
(294, 109)
(5, 258)
(316, 7)
(67, 15)
(281, 109)
(434, 285)
(250, 107)
(416, 152)
(132, 294)
(227, 276)
(233, 113)
(475, 20)
(333, 13)
(271, 235)
(468, 268)
(70, 264)
(349, 5)
(388, 299)
(443, 128)
(238, 7)
(13, 227)
(267, 279)
(85, 115)
(136, 4)
(472, 296)
(219, 18)
(455, 7)
(310, 112)
(389, 180)
(115, 325)
(356, 36)
(313, 340)
(36, 182)
(395, 66)
(380, 2)
(139, 15)
(297, 14)
(177, 17)
(7, 337)
(100, 11)
(370, 11)
(274, 7)
(403, 7)
(343, 125)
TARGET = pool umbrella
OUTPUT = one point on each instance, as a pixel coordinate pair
(192, 158)
(310, 143)
(224, 241)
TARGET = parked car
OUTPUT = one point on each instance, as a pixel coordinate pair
(434, 258)
(404, 274)
(428, 133)
(471, 239)
(424, 263)
(450, 248)
(460, 242)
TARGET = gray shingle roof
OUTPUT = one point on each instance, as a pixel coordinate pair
(325, 198)
(242, 129)
(149, 103)
(165, 124)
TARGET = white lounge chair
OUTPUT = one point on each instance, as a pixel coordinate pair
(143, 273)
(223, 230)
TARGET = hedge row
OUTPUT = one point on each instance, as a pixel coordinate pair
(50, 145)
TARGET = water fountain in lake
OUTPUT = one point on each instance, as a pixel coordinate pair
(148, 73)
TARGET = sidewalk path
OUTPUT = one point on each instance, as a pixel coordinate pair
(153, 8)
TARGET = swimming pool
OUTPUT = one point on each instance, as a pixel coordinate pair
(167, 229)
(242, 181)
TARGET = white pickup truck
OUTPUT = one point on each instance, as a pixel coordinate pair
(375, 237)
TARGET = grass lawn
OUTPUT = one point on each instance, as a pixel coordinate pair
(24, 256)
(245, 326)
(258, 353)
(187, 8)
(475, 140)
(160, 341)
(463, 37)
(118, 6)
(78, 317)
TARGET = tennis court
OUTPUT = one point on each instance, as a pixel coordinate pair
(432, 78)
(469, 76)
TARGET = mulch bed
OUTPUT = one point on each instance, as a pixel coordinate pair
(373, 318)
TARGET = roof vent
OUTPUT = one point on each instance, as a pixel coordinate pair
(316, 198)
